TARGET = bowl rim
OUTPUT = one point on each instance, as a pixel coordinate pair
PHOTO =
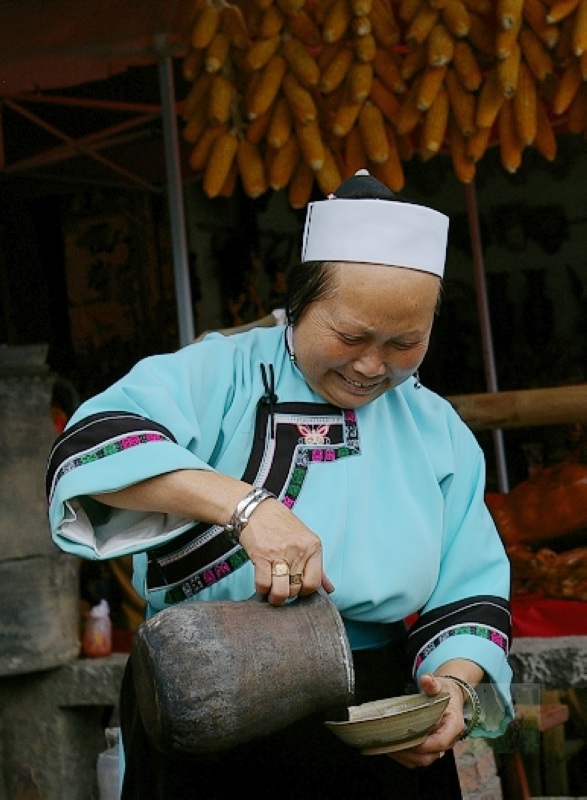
(429, 701)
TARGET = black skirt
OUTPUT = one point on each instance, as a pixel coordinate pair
(304, 760)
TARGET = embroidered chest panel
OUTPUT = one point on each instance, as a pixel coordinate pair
(290, 440)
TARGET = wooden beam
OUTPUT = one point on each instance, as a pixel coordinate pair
(558, 405)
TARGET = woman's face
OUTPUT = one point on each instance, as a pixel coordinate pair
(369, 336)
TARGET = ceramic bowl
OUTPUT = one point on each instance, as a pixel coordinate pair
(395, 723)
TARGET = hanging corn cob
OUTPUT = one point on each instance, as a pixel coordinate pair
(295, 92)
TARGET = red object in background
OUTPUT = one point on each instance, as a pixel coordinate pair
(535, 615)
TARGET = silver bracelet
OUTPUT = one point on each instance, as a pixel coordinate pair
(242, 513)
(474, 701)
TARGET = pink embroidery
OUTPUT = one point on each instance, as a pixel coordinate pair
(222, 569)
(131, 441)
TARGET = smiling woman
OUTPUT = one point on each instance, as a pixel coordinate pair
(289, 459)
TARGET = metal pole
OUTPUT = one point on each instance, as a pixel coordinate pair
(485, 323)
(175, 199)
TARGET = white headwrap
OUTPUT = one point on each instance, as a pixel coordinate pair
(370, 231)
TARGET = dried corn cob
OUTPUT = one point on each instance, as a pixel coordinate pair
(489, 101)
(535, 15)
(524, 105)
(456, 18)
(301, 63)
(219, 163)
(467, 67)
(203, 146)
(272, 21)
(336, 71)
(386, 66)
(482, 7)
(359, 81)
(311, 145)
(216, 52)
(328, 177)
(390, 172)
(355, 157)
(545, 141)
(251, 169)
(440, 46)
(220, 98)
(233, 23)
(435, 122)
(283, 163)
(408, 8)
(361, 8)
(194, 128)
(303, 26)
(580, 29)
(568, 85)
(560, 10)
(290, 6)
(257, 128)
(360, 26)
(464, 167)
(365, 48)
(204, 27)
(345, 117)
(462, 104)
(509, 13)
(481, 34)
(301, 185)
(383, 24)
(260, 52)
(408, 115)
(420, 25)
(372, 129)
(536, 55)
(191, 65)
(507, 40)
(510, 145)
(280, 124)
(508, 70)
(337, 21)
(266, 87)
(300, 100)
(431, 80)
(414, 61)
(197, 96)
(385, 100)
(476, 145)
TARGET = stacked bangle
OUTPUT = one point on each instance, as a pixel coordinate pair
(242, 513)
(473, 701)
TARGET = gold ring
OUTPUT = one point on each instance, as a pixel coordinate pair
(280, 569)
(297, 579)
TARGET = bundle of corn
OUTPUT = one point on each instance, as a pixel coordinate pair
(288, 92)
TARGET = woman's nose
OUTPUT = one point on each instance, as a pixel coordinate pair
(371, 364)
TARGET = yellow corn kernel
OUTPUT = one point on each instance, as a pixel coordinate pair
(337, 21)
(300, 62)
(300, 100)
(359, 80)
(580, 29)
(345, 117)
(467, 67)
(219, 163)
(216, 52)
(385, 100)
(251, 169)
(222, 93)
(265, 89)
(462, 104)
(280, 124)
(435, 122)
(311, 145)
(336, 71)
(510, 145)
(489, 100)
(430, 82)
(420, 25)
(456, 18)
(283, 164)
(260, 52)
(508, 70)
(372, 129)
(204, 27)
(524, 105)
(365, 48)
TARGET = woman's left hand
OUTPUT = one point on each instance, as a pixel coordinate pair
(448, 731)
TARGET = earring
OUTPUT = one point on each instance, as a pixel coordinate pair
(416, 376)
(289, 343)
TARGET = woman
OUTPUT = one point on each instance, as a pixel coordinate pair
(309, 457)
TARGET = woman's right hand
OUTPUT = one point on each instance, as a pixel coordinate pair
(275, 536)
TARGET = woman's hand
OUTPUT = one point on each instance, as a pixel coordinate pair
(275, 537)
(448, 731)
